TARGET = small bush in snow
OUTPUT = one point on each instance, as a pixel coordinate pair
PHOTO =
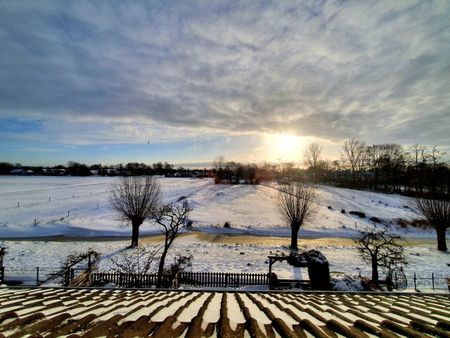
(227, 225)
(360, 214)
(347, 283)
(342, 211)
(375, 219)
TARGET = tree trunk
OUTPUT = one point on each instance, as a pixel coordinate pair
(161, 267)
(441, 242)
(294, 234)
(135, 233)
(374, 270)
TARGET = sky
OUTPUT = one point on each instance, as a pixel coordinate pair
(186, 81)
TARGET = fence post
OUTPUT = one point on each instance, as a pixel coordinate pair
(226, 280)
(415, 284)
(432, 279)
(67, 277)
(2, 274)
(37, 276)
(395, 280)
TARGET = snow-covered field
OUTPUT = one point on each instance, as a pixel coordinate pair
(33, 207)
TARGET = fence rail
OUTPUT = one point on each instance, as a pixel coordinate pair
(222, 279)
(217, 279)
(38, 275)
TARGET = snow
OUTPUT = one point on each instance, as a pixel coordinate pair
(78, 211)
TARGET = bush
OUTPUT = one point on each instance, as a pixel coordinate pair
(401, 222)
(189, 224)
(375, 219)
(227, 225)
(360, 214)
(342, 211)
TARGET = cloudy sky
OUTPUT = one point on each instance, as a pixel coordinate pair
(186, 81)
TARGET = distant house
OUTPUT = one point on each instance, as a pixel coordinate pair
(21, 172)
(17, 171)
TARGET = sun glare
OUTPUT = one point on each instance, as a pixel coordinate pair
(285, 147)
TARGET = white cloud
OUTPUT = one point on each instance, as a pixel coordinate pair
(378, 71)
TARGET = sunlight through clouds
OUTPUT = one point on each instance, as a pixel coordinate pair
(114, 73)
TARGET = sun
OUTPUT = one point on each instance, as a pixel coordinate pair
(284, 147)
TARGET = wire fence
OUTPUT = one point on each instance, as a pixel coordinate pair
(434, 281)
(27, 276)
(418, 281)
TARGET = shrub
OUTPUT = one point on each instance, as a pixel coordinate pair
(342, 211)
(401, 222)
(360, 214)
(189, 224)
(375, 219)
(227, 225)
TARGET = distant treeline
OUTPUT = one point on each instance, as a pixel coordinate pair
(79, 169)
(380, 167)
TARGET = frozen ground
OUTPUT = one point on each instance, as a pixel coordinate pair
(73, 206)
(76, 206)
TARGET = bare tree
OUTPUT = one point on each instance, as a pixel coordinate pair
(419, 159)
(437, 212)
(312, 154)
(380, 248)
(135, 199)
(295, 205)
(353, 153)
(171, 217)
(218, 163)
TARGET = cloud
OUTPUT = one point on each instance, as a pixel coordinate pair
(337, 69)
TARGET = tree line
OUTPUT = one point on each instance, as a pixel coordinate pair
(389, 167)
(73, 168)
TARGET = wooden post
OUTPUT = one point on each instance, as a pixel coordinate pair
(2, 274)
(432, 279)
(37, 276)
(415, 284)
(2, 254)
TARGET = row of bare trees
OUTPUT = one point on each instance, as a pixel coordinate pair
(387, 167)
(230, 172)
